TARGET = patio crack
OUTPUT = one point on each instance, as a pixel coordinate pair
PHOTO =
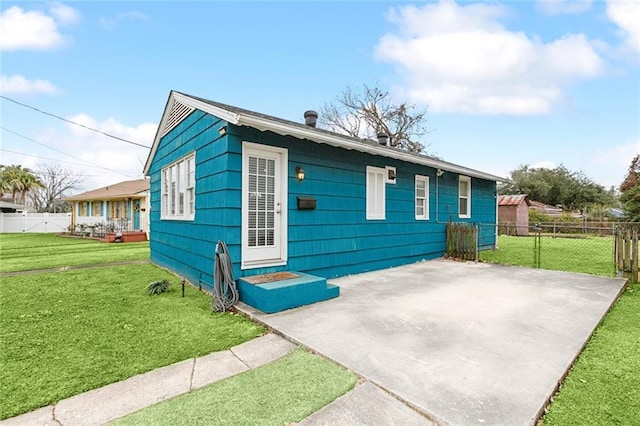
(53, 415)
(193, 371)
(240, 359)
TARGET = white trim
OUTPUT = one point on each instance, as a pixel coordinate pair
(301, 131)
(425, 215)
(177, 112)
(186, 215)
(468, 196)
(380, 193)
(284, 177)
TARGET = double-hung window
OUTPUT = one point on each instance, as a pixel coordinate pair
(422, 197)
(376, 178)
(178, 187)
(464, 197)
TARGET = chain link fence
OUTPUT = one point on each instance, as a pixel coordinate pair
(573, 247)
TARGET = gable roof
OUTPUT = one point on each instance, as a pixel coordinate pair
(242, 117)
(513, 200)
(124, 189)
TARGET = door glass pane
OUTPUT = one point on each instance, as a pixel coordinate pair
(261, 203)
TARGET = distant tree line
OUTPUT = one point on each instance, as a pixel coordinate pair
(558, 187)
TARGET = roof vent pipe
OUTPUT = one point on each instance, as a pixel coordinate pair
(383, 138)
(310, 118)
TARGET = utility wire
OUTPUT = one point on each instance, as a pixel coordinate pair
(61, 152)
(73, 122)
(61, 161)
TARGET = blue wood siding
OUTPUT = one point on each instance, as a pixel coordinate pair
(184, 246)
(333, 240)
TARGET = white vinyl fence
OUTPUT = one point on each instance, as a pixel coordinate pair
(34, 222)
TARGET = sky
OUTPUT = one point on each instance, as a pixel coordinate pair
(504, 84)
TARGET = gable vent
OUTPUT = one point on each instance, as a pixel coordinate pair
(178, 112)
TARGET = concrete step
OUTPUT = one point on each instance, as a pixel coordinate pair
(276, 296)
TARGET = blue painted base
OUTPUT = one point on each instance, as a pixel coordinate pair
(278, 296)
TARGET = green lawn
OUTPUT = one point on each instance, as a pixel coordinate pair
(287, 390)
(604, 386)
(63, 333)
(592, 255)
(21, 252)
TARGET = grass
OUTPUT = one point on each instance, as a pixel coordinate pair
(64, 333)
(287, 390)
(592, 255)
(603, 388)
(21, 252)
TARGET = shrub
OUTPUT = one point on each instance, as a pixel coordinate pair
(158, 287)
(536, 216)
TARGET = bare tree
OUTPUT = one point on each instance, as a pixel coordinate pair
(367, 113)
(56, 183)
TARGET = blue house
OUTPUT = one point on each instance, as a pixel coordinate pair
(287, 196)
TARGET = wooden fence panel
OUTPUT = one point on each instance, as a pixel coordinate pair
(626, 251)
(462, 241)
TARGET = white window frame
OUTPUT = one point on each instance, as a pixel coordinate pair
(466, 196)
(376, 183)
(178, 189)
(424, 200)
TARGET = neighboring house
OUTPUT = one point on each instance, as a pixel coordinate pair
(546, 208)
(614, 212)
(124, 204)
(7, 206)
(286, 196)
(513, 214)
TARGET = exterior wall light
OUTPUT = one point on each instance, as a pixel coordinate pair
(222, 130)
(299, 173)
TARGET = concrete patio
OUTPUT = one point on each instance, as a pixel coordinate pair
(463, 343)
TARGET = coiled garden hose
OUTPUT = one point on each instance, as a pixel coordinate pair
(225, 294)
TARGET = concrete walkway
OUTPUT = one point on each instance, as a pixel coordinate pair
(463, 343)
(116, 400)
(71, 268)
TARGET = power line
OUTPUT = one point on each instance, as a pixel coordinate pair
(73, 122)
(62, 161)
(57, 150)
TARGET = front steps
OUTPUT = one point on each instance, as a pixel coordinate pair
(289, 290)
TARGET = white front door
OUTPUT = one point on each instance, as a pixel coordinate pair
(264, 205)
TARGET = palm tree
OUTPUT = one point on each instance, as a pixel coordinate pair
(20, 180)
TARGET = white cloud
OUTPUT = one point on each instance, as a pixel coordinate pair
(557, 7)
(462, 59)
(19, 85)
(34, 30)
(626, 14)
(123, 161)
(110, 23)
(610, 165)
(64, 14)
(620, 155)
